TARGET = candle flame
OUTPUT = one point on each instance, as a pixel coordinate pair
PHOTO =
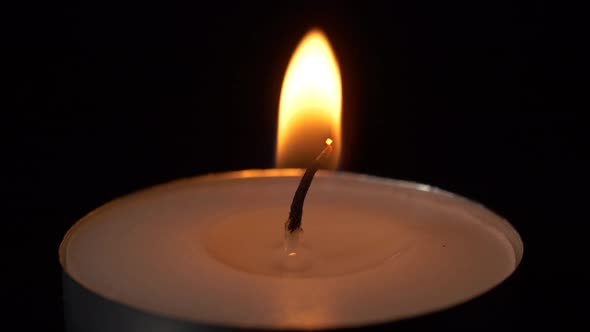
(329, 141)
(311, 104)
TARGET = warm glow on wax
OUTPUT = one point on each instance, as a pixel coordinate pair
(311, 104)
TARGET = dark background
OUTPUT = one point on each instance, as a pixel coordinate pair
(477, 98)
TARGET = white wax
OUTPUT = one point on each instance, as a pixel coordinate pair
(210, 249)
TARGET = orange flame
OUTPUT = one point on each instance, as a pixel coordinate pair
(311, 104)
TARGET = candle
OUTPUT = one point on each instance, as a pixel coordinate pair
(210, 251)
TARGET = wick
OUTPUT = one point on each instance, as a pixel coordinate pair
(293, 224)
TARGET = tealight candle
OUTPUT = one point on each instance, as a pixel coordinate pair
(210, 250)
(214, 251)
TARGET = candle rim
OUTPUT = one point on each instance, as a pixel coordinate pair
(506, 228)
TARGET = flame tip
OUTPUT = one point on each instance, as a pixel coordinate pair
(315, 30)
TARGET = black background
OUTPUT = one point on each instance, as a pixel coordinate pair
(477, 98)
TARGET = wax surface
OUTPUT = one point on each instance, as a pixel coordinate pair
(210, 249)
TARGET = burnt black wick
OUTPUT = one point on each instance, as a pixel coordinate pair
(294, 222)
